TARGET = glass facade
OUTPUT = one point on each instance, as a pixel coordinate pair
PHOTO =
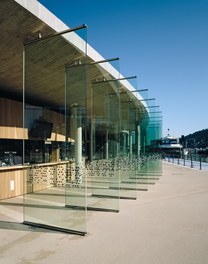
(130, 145)
(151, 167)
(86, 136)
(103, 137)
(82, 137)
(54, 118)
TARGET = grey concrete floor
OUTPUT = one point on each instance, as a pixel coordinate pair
(168, 224)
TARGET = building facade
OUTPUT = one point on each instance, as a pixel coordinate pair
(73, 130)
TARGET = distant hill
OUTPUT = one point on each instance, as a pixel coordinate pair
(198, 139)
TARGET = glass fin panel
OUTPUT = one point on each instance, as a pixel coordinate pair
(48, 145)
(103, 137)
(129, 139)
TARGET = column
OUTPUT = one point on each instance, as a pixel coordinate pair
(124, 143)
(106, 145)
(78, 143)
(138, 140)
(92, 139)
(130, 144)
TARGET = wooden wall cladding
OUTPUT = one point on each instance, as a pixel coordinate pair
(11, 113)
(11, 121)
(11, 183)
(16, 181)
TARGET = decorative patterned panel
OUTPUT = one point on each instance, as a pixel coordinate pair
(42, 175)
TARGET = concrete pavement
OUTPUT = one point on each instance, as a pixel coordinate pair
(168, 224)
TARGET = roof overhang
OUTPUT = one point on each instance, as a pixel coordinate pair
(22, 21)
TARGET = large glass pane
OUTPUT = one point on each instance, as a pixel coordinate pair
(76, 117)
(103, 136)
(154, 135)
(129, 139)
(151, 166)
(51, 181)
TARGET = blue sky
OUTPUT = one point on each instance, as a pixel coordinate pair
(163, 42)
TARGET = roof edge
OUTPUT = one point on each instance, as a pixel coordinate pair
(41, 12)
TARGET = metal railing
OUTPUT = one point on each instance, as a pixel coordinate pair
(191, 161)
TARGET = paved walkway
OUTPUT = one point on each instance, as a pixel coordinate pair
(168, 224)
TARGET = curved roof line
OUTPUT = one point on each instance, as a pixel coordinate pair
(38, 10)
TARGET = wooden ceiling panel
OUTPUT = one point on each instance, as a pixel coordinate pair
(45, 64)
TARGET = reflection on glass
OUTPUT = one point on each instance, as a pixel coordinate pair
(130, 144)
(49, 148)
(103, 138)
